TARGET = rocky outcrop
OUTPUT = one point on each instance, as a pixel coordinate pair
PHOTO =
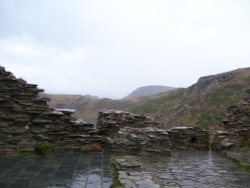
(207, 83)
(234, 138)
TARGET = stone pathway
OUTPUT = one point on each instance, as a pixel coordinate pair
(203, 169)
(91, 170)
(185, 169)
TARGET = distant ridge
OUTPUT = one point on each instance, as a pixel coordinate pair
(148, 91)
(202, 104)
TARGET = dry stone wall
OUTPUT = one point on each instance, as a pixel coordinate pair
(125, 130)
(236, 126)
(188, 137)
(233, 139)
(27, 120)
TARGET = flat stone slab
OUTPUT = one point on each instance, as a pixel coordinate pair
(137, 180)
(127, 162)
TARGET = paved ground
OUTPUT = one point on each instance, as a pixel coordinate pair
(198, 169)
(70, 170)
(194, 169)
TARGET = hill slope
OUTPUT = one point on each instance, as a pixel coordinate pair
(202, 104)
(148, 91)
(86, 107)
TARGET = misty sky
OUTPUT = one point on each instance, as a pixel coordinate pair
(108, 48)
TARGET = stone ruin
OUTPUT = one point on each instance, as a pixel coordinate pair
(127, 131)
(188, 137)
(233, 140)
(26, 120)
(236, 127)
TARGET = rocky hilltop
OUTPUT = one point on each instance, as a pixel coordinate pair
(148, 91)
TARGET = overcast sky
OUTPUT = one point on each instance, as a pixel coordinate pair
(108, 48)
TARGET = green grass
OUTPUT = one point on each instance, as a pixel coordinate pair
(244, 166)
(187, 107)
(25, 154)
(115, 176)
(41, 148)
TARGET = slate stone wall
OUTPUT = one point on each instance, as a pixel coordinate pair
(26, 119)
(125, 130)
(236, 127)
(188, 138)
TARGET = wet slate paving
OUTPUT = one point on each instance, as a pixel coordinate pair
(199, 169)
(74, 170)
(185, 169)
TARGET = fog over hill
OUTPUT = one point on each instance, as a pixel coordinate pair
(148, 91)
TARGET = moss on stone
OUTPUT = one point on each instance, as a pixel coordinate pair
(25, 154)
(115, 176)
(41, 148)
(92, 147)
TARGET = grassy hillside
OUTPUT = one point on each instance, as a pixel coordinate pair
(87, 108)
(203, 104)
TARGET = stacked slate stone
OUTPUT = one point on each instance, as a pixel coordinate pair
(18, 104)
(115, 119)
(83, 133)
(236, 126)
(131, 132)
(148, 139)
(188, 137)
(26, 119)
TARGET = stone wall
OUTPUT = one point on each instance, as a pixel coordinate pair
(188, 137)
(26, 119)
(127, 131)
(233, 139)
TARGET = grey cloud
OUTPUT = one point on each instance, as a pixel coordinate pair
(108, 48)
